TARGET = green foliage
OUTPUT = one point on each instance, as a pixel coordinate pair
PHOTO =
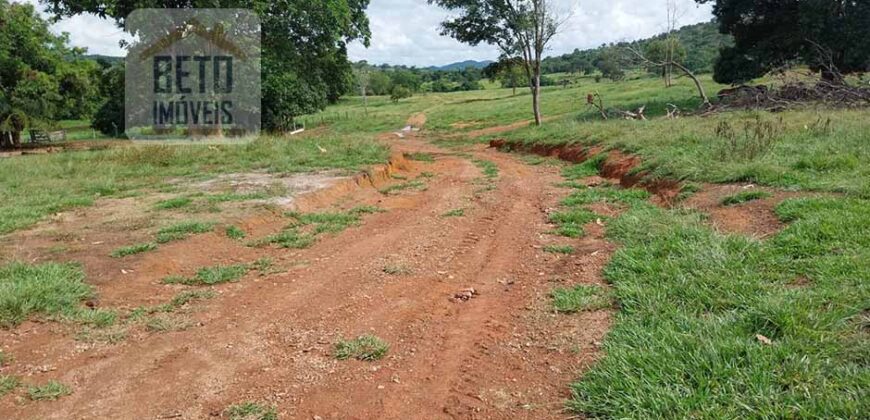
(133, 249)
(400, 92)
(52, 390)
(365, 347)
(743, 197)
(304, 54)
(47, 289)
(251, 411)
(700, 42)
(819, 33)
(42, 77)
(582, 297)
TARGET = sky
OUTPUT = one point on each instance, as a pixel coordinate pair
(407, 31)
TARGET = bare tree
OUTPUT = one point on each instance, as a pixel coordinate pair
(676, 64)
(519, 28)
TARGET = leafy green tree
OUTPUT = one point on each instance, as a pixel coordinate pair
(30, 60)
(665, 50)
(379, 83)
(109, 118)
(519, 28)
(610, 64)
(400, 92)
(832, 36)
(509, 72)
(304, 46)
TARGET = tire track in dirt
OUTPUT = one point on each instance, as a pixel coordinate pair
(502, 354)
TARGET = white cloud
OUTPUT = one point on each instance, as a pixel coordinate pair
(407, 31)
(100, 36)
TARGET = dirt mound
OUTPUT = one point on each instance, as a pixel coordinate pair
(617, 166)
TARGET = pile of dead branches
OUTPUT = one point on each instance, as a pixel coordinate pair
(794, 95)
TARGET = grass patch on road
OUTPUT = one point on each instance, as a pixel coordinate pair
(173, 203)
(251, 411)
(559, 249)
(183, 230)
(365, 347)
(52, 390)
(209, 276)
(454, 213)
(306, 227)
(133, 250)
(235, 232)
(8, 383)
(489, 169)
(422, 157)
(743, 197)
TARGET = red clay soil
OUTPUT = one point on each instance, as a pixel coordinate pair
(755, 218)
(502, 354)
(618, 166)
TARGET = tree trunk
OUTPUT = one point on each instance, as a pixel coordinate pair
(16, 139)
(515, 90)
(536, 98)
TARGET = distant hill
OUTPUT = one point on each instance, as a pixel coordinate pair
(702, 42)
(463, 65)
(108, 58)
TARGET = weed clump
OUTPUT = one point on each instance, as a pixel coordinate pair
(52, 390)
(584, 297)
(743, 197)
(365, 347)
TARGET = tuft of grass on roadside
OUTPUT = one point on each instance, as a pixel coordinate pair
(8, 383)
(489, 169)
(4, 358)
(582, 297)
(133, 250)
(235, 232)
(414, 184)
(587, 168)
(570, 222)
(51, 390)
(183, 230)
(251, 411)
(559, 249)
(422, 157)
(365, 347)
(209, 276)
(454, 213)
(743, 197)
(173, 203)
(49, 289)
(305, 229)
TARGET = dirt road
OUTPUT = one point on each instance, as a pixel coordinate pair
(502, 354)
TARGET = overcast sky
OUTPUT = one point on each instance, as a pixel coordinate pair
(407, 32)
